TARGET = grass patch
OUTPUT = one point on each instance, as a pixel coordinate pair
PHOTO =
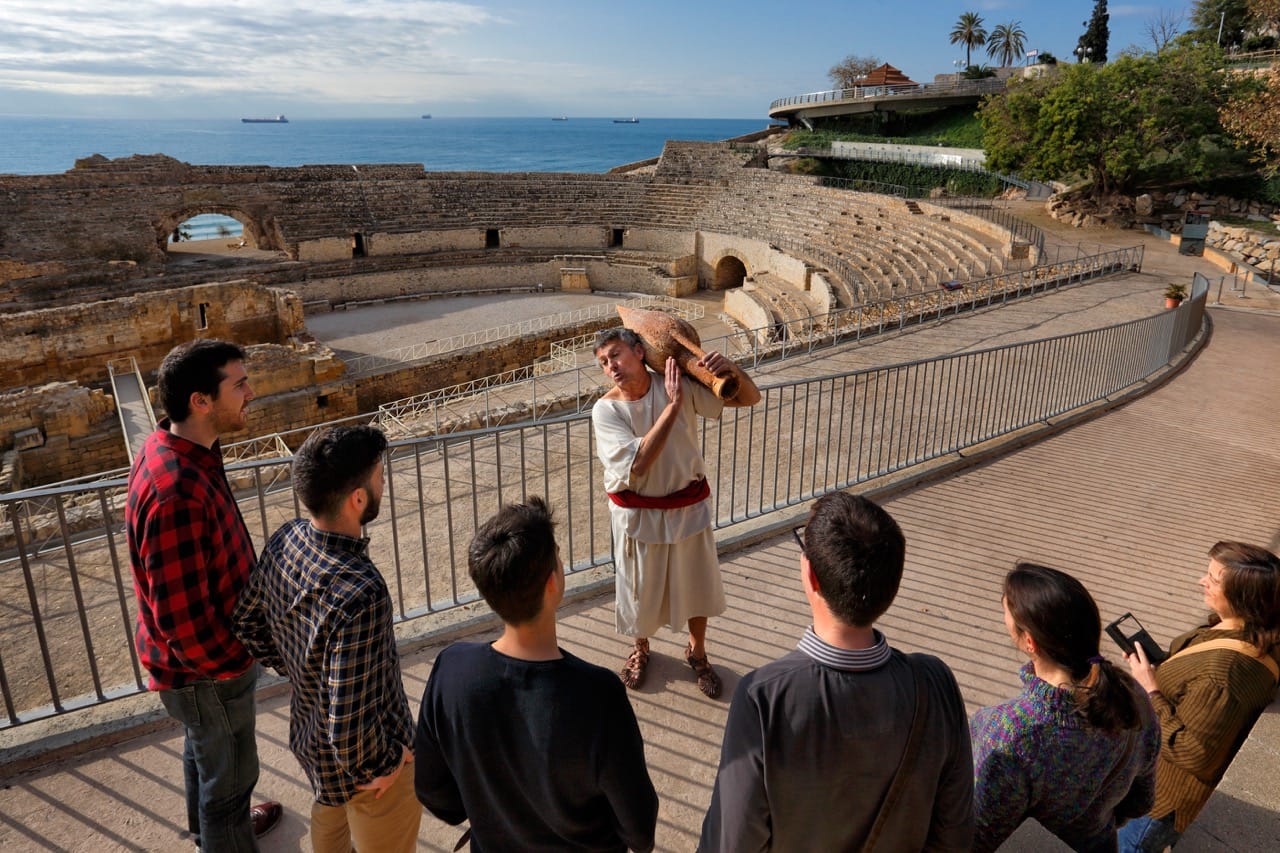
(955, 127)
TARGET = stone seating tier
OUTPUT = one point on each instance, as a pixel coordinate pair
(897, 252)
(445, 202)
(106, 210)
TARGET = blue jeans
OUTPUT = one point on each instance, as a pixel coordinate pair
(219, 759)
(1145, 835)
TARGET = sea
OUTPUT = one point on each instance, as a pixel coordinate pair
(41, 146)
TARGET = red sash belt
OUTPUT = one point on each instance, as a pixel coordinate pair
(691, 494)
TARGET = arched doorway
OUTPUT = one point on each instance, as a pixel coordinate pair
(203, 233)
(207, 226)
(730, 272)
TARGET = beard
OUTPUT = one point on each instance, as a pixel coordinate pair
(225, 421)
(371, 508)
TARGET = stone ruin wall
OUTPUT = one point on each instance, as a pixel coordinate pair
(616, 272)
(58, 418)
(100, 228)
(65, 430)
(76, 342)
(296, 386)
(122, 210)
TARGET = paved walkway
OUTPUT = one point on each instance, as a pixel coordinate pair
(1130, 502)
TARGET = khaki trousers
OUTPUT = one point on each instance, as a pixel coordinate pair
(370, 825)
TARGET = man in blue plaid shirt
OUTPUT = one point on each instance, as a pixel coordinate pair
(318, 611)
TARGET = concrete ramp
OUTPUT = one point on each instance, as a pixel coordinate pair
(137, 420)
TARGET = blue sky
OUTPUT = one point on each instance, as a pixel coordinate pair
(393, 58)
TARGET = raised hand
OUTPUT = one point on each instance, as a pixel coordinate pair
(675, 391)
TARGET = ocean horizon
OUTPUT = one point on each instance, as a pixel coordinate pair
(39, 146)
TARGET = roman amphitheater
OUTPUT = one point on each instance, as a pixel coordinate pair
(88, 280)
(456, 310)
(945, 356)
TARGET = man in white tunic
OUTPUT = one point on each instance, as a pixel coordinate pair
(664, 551)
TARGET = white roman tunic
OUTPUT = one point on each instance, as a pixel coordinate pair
(667, 569)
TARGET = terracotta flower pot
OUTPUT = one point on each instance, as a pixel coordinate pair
(1171, 302)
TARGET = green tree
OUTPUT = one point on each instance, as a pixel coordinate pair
(970, 33)
(1253, 117)
(1092, 46)
(1006, 42)
(1208, 17)
(1109, 123)
(847, 72)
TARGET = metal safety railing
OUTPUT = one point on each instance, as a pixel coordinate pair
(548, 388)
(859, 93)
(1019, 229)
(66, 640)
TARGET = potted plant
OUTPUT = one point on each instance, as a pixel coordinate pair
(1174, 294)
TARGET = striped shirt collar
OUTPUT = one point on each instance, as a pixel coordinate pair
(850, 660)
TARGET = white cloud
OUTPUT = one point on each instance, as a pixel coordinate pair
(1131, 11)
(372, 50)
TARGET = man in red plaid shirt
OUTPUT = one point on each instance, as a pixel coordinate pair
(191, 555)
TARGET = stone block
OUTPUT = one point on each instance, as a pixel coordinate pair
(28, 438)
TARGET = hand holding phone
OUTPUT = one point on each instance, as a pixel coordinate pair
(1128, 632)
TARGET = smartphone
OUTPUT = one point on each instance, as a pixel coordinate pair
(1128, 632)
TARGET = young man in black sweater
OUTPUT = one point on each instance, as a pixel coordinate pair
(538, 749)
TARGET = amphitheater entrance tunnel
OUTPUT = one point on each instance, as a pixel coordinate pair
(730, 272)
(207, 226)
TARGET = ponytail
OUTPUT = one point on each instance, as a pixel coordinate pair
(1107, 697)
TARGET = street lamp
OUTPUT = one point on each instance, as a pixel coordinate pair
(1083, 53)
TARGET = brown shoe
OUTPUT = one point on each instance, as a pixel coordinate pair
(265, 817)
(704, 673)
(637, 662)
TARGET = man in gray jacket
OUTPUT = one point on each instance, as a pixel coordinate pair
(815, 753)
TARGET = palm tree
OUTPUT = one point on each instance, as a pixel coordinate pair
(970, 33)
(1006, 42)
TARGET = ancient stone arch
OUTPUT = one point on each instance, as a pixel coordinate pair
(731, 271)
(257, 234)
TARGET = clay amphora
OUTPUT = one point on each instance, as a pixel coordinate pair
(666, 335)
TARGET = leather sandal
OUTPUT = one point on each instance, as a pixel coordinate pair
(637, 662)
(708, 681)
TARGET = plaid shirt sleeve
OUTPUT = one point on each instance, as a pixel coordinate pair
(364, 744)
(178, 539)
(249, 619)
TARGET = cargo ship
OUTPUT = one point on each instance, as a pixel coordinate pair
(275, 120)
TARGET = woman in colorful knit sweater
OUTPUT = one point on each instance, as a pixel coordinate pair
(1077, 749)
(1209, 693)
